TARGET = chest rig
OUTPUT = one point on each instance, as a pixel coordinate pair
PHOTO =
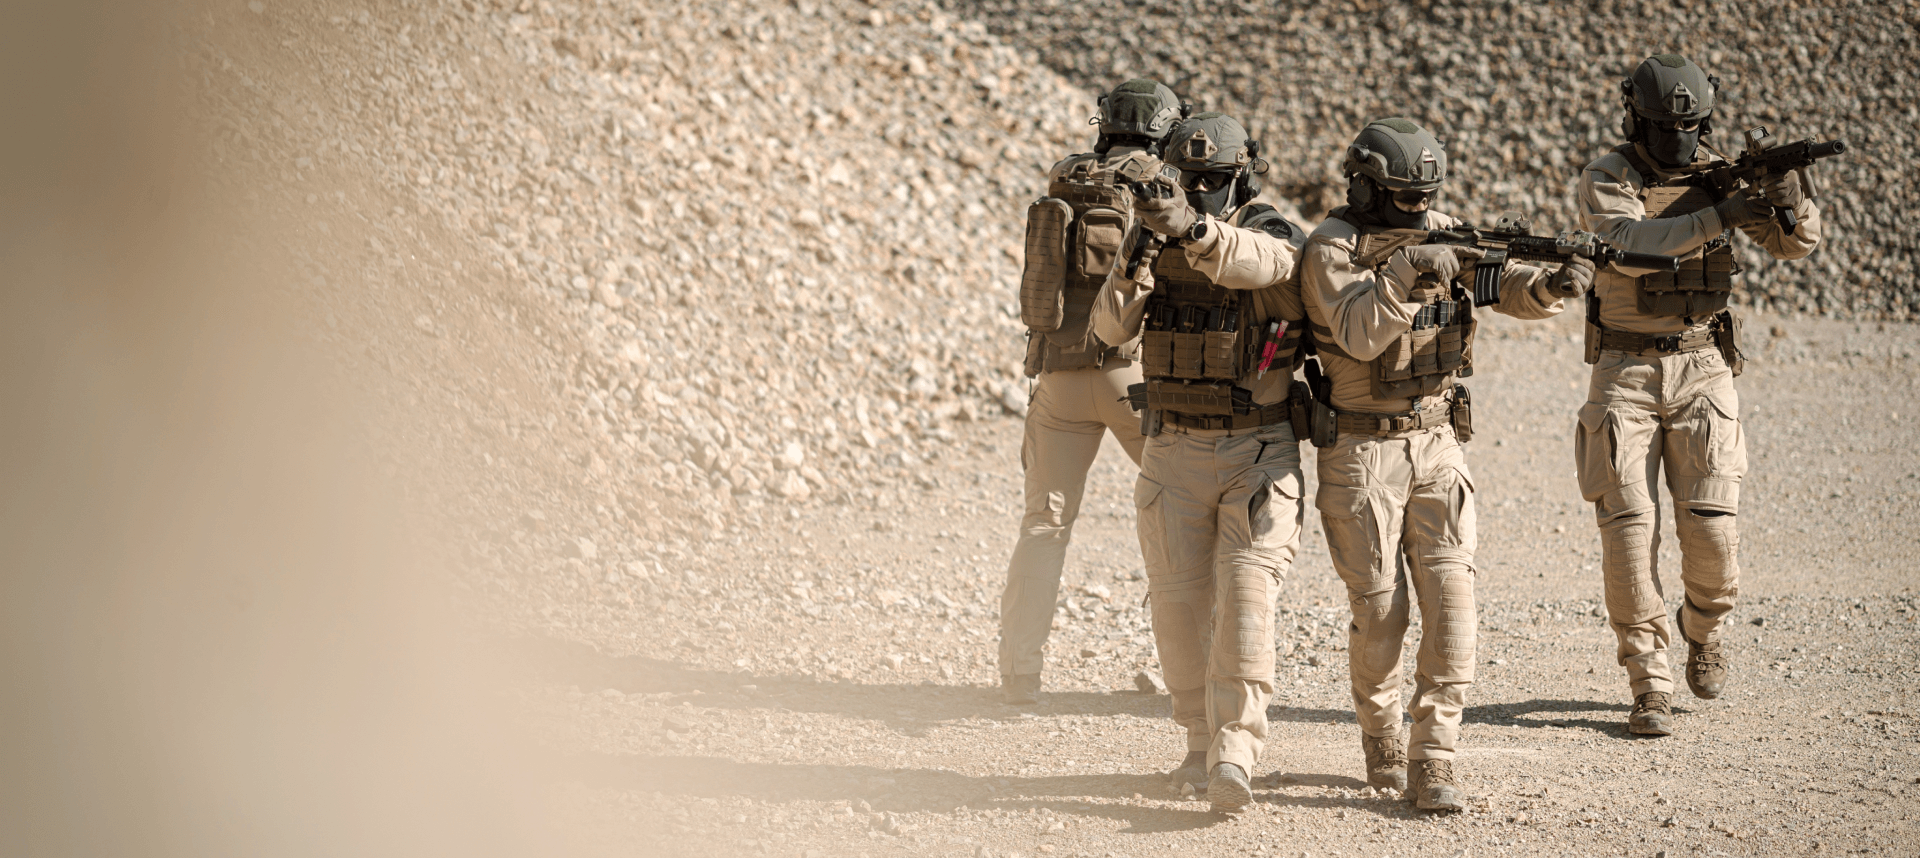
(1198, 339)
(1435, 350)
(1705, 280)
(1074, 235)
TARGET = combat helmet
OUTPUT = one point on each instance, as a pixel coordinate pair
(1668, 88)
(1669, 107)
(1219, 162)
(1141, 107)
(1393, 157)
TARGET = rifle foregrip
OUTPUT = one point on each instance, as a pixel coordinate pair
(1654, 261)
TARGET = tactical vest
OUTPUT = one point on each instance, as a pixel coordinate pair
(1433, 352)
(1198, 339)
(1074, 237)
(1705, 280)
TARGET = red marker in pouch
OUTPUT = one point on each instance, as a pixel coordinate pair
(1275, 332)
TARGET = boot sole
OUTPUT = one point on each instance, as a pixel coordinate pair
(1445, 806)
(1396, 782)
(1650, 729)
(1229, 796)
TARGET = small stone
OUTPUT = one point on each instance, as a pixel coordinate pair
(791, 456)
(1088, 653)
(1314, 659)
(1186, 790)
(677, 723)
(257, 7)
(893, 661)
(1149, 682)
(792, 486)
(605, 294)
(1758, 621)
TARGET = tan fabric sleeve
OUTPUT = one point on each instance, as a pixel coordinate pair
(1121, 304)
(1523, 293)
(1239, 258)
(1363, 311)
(1610, 207)
(1806, 235)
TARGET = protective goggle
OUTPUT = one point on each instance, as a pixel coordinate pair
(1205, 182)
(1412, 198)
(1683, 125)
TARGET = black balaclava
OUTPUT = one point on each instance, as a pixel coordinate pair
(1672, 149)
(1216, 202)
(1373, 204)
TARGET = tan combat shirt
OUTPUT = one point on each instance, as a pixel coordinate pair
(1233, 257)
(1610, 206)
(1367, 311)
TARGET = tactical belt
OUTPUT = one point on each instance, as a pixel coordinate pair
(1691, 340)
(1278, 412)
(1369, 423)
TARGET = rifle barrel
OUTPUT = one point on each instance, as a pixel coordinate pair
(1827, 149)
(1654, 261)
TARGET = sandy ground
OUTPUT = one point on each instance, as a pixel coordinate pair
(846, 705)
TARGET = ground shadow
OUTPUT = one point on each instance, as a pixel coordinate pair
(910, 708)
(1558, 714)
(1106, 796)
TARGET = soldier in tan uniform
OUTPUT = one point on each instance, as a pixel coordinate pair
(1664, 351)
(1395, 495)
(1074, 235)
(1219, 317)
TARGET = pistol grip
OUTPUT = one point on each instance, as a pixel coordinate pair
(1787, 221)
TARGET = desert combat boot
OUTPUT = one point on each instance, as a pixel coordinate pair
(1229, 791)
(1386, 761)
(1020, 689)
(1651, 715)
(1192, 771)
(1430, 786)
(1706, 665)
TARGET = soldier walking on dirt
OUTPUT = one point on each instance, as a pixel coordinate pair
(1074, 235)
(1218, 499)
(1664, 351)
(1389, 418)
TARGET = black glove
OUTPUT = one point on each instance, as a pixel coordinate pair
(1737, 210)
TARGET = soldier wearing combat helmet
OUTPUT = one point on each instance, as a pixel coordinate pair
(1395, 335)
(1664, 351)
(1073, 236)
(1219, 317)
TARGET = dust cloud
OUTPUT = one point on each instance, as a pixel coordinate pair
(225, 632)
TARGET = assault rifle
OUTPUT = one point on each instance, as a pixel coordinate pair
(1762, 159)
(1511, 238)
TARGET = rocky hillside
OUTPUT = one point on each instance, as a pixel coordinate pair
(1525, 94)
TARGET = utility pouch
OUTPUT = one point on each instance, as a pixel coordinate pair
(1043, 281)
(1298, 397)
(1462, 414)
(1156, 353)
(1726, 335)
(1221, 398)
(1101, 233)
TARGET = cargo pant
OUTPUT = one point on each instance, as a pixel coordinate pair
(1398, 512)
(1642, 411)
(1071, 411)
(1219, 516)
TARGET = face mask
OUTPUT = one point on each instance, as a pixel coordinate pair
(1672, 148)
(1209, 192)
